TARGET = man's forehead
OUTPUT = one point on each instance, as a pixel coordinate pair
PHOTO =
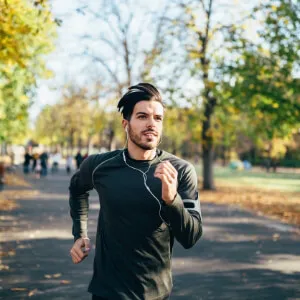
(149, 107)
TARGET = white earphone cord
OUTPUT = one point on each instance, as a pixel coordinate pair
(145, 183)
(144, 177)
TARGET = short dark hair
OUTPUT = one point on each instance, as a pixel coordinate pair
(136, 93)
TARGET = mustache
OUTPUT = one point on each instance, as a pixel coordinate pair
(149, 131)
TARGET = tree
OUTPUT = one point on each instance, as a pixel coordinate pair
(209, 40)
(263, 80)
(199, 28)
(27, 32)
(69, 122)
(120, 45)
(116, 44)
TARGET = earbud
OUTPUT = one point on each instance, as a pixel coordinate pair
(126, 129)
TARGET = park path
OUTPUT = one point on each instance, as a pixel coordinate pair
(240, 256)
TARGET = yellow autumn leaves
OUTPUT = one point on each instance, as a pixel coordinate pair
(27, 33)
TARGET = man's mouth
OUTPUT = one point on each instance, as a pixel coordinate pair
(149, 133)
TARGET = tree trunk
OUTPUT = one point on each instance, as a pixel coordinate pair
(112, 144)
(89, 144)
(174, 147)
(111, 140)
(208, 177)
(224, 155)
(207, 142)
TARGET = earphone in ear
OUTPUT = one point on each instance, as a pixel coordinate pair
(126, 128)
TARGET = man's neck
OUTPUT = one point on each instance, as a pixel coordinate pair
(141, 154)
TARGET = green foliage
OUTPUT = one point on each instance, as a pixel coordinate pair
(70, 122)
(27, 31)
(262, 80)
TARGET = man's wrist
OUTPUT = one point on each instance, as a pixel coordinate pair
(77, 237)
(170, 202)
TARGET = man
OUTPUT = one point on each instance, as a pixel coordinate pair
(78, 159)
(143, 192)
(26, 164)
(44, 163)
(56, 159)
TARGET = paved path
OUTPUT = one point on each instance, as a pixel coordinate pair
(241, 256)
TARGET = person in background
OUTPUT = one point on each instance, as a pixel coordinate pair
(44, 163)
(85, 156)
(26, 164)
(38, 168)
(78, 159)
(35, 157)
(56, 159)
(69, 164)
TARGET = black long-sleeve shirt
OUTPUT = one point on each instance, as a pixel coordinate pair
(133, 244)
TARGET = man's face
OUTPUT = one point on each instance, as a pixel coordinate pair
(146, 123)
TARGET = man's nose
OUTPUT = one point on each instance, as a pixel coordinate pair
(151, 123)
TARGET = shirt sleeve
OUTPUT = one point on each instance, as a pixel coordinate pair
(80, 184)
(184, 214)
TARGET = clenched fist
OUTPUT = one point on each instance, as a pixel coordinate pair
(168, 176)
(80, 250)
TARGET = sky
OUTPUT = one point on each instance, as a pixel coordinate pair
(64, 62)
(67, 63)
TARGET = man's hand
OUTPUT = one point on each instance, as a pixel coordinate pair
(80, 250)
(168, 176)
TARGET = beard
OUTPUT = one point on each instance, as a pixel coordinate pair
(137, 139)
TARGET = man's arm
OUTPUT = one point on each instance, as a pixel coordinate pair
(182, 208)
(80, 184)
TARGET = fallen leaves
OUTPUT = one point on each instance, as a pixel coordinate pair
(8, 253)
(32, 293)
(65, 281)
(8, 198)
(276, 237)
(284, 206)
(49, 276)
(17, 289)
(4, 267)
(24, 246)
(7, 205)
(55, 276)
(36, 291)
(15, 180)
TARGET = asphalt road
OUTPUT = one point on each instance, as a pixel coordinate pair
(240, 256)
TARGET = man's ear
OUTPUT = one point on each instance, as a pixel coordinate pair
(125, 124)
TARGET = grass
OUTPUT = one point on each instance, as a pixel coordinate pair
(276, 195)
(256, 178)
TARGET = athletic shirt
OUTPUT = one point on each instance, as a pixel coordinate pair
(133, 244)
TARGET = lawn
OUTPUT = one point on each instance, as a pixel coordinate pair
(280, 181)
(276, 195)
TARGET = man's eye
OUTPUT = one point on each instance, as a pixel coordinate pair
(142, 117)
(159, 118)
